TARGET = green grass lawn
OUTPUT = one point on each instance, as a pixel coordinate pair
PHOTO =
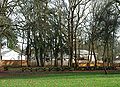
(81, 79)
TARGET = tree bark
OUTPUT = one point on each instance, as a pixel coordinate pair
(28, 47)
(41, 57)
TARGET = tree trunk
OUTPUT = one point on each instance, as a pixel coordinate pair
(22, 47)
(71, 38)
(56, 56)
(89, 54)
(56, 53)
(61, 55)
(51, 57)
(36, 56)
(104, 59)
(41, 57)
(36, 48)
(75, 47)
(28, 47)
(94, 54)
(69, 35)
(113, 49)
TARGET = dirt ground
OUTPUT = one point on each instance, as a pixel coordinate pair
(43, 73)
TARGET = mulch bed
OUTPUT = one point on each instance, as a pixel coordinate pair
(44, 73)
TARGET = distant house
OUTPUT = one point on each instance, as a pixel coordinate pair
(84, 54)
(117, 59)
(9, 54)
(83, 58)
(12, 58)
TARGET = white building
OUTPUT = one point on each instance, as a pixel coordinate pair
(9, 54)
(85, 54)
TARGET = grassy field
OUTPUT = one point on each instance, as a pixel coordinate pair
(79, 79)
